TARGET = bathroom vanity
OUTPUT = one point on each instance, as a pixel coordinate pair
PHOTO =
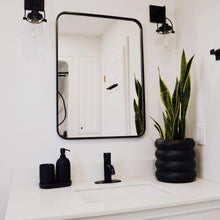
(130, 199)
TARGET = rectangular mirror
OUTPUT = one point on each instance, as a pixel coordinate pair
(100, 76)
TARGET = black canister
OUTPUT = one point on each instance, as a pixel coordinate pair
(63, 168)
(47, 175)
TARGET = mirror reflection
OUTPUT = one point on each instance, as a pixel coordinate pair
(100, 90)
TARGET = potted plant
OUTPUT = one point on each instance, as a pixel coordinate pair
(175, 153)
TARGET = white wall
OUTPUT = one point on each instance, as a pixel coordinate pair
(28, 94)
(198, 32)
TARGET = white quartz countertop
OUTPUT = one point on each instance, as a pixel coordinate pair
(31, 202)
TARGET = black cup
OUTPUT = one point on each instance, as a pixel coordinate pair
(47, 175)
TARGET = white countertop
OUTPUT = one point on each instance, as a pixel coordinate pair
(31, 202)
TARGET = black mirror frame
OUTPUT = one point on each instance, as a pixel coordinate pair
(142, 72)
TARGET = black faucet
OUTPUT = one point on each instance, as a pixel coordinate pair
(108, 170)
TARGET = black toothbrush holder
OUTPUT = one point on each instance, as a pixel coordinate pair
(47, 174)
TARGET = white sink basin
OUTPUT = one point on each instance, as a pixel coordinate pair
(120, 192)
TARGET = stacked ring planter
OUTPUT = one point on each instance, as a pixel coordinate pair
(175, 160)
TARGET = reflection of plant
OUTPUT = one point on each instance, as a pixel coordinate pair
(138, 108)
(176, 106)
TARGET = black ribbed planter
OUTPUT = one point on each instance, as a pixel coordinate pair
(175, 160)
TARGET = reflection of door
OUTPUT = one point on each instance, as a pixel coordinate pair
(89, 91)
(115, 114)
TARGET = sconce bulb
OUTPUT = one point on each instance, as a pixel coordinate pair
(35, 17)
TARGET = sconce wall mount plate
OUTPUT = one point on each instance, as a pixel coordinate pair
(157, 14)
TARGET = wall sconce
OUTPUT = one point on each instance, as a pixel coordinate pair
(158, 15)
(35, 6)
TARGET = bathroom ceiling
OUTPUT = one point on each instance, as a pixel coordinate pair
(76, 25)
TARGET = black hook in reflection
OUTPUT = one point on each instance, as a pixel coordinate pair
(216, 53)
(112, 86)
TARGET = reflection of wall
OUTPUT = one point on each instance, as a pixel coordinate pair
(123, 38)
(83, 55)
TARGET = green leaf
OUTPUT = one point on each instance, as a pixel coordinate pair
(184, 93)
(175, 134)
(138, 123)
(167, 128)
(176, 110)
(185, 103)
(140, 98)
(186, 96)
(136, 86)
(175, 97)
(188, 71)
(158, 127)
(166, 98)
(135, 106)
(182, 74)
(183, 66)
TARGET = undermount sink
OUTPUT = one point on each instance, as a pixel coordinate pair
(121, 192)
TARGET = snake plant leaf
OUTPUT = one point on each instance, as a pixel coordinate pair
(138, 122)
(168, 118)
(166, 98)
(188, 67)
(158, 127)
(185, 91)
(167, 128)
(136, 85)
(185, 103)
(182, 74)
(159, 131)
(175, 97)
(139, 96)
(185, 71)
(176, 110)
(183, 66)
(186, 95)
(135, 106)
(175, 133)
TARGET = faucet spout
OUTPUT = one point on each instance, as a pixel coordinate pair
(108, 168)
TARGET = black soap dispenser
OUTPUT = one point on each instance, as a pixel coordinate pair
(63, 169)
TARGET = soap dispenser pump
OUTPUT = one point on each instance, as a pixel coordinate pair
(63, 168)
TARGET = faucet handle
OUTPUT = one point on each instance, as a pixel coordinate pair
(112, 170)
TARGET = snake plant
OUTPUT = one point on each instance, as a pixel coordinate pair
(138, 107)
(174, 117)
